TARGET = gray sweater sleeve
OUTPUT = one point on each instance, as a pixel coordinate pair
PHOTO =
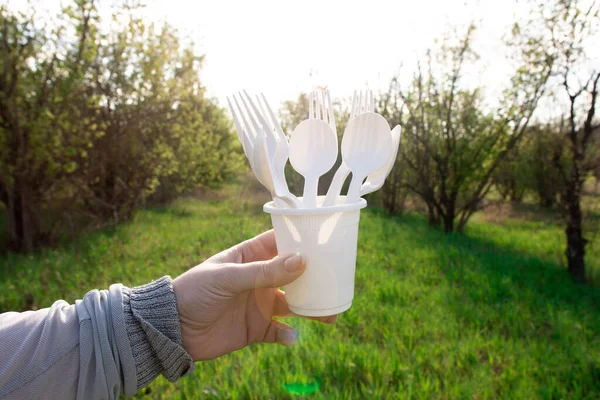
(109, 343)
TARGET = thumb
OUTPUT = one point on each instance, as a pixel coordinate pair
(273, 273)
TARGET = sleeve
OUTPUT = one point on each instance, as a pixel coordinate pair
(112, 342)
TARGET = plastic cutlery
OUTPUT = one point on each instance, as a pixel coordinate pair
(282, 151)
(260, 149)
(366, 147)
(376, 179)
(361, 102)
(313, 151)
(265, 155)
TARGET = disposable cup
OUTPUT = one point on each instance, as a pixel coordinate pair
(327, 237)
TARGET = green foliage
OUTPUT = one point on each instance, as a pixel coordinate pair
(560, 33)
(451, 144)
(488, 315)
(161, 133)
(537, 166)
(94, 121)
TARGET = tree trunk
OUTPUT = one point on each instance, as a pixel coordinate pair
(20, 218)
(448, 212)
(463, 221)
(449, 222)
(546, 202)
(575, 251)
(389, 198)
(433, 219)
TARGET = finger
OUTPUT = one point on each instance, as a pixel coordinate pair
(261, 247)
(273, 273)
(280, 332)
(281, 309)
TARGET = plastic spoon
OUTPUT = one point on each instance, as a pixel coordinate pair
(366, 147)
(313, 150)
(376, 179)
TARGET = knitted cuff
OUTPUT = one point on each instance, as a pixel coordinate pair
(153, 329)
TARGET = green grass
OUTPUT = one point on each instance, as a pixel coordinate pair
(490, 314)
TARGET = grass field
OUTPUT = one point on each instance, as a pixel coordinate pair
(486, 315)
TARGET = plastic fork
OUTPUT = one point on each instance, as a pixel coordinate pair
(259, 143)
(362, 102)
(320, 107)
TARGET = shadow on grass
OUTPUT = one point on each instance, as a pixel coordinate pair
(495, 275)
(525, 308)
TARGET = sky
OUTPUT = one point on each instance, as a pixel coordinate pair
(282, 48)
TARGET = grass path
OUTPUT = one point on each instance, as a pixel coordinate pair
(483, 316)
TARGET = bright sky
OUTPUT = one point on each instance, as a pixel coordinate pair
(284, 47)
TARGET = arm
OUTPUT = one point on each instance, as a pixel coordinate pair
(105, 345)
(117, 341)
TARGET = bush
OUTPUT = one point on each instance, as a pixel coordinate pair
(95, 122)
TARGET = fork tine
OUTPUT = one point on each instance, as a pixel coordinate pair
(362, 102)
(241, 110)
(320, 114)
(259, 115)
(275, 123)
(324, 106)
(268, 125)
(330, 110)
(242, 131)
(310, 105)
(254, 122)
(318, 104)
(372, 107)
(238, 126)
(353, 108)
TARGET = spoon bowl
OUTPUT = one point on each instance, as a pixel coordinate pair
(376, 179)
(313, 151)
(366, 147)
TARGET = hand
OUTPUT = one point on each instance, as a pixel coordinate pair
(229, 301)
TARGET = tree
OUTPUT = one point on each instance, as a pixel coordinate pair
(161, 133)
(95, 121)
(451, 146)
(535, 166)
(42, 110)
(394, 191)
(565, 26)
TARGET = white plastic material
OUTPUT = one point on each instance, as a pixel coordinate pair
(327, 237)
(257, 134)
(313, 150)
(366, 147)
(361, 103)
(376, 179)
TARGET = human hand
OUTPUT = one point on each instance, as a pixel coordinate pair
(229, 301)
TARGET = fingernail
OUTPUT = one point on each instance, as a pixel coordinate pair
(286, 337)
(294, 263)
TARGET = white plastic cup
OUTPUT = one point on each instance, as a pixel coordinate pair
(327, 237)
